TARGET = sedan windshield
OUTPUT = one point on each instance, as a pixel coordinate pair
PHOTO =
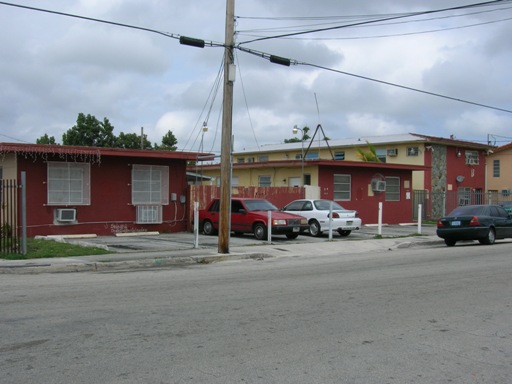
(325, 205)
(260, 205)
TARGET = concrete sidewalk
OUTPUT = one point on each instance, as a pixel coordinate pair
(145, 251)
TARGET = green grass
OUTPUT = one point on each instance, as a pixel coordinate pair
(40, 248)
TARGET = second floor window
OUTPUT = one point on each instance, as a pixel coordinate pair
(496, 168)
(472, 158)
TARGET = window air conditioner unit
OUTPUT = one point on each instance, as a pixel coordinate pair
(378, 186)
(65, 215)
(392, 152)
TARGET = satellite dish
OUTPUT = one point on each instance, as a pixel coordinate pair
(460, 179)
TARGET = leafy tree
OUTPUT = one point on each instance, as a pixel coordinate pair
(45, 139)
(298, 139)
(132, 141)
(169, 142)
(90, 132)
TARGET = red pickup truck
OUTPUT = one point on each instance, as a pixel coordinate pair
(251, 216)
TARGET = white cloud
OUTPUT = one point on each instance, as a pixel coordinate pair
(54, 67)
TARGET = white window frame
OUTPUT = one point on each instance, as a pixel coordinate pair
(150, 184)
(68, 183)
(342, 187)
(264, 181)
(472, 158)
(496, 168)
(392, 188)
(413, 151)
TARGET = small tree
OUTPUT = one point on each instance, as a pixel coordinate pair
(90, 132)
(45, 139)
(169, 142)
(297, 139)
(132, 141)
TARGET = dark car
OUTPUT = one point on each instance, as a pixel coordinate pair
(251, 216)
(507, 206)
(484, 223)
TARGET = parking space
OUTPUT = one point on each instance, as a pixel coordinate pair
(145, 242)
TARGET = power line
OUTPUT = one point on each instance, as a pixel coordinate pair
(399, 34)
(288, 62)
(247, 33)
(166, 34)
(400, 16)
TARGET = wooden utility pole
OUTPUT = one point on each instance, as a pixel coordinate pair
(227, 123)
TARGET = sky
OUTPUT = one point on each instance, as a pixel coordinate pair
(53, 67)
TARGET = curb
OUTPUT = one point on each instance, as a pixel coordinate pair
(106, 266)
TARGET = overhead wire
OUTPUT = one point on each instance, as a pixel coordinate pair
(130, 26)
(396, 34)
(358, 23)
(214, 90)
(252, 33)
(268, 56)
(246, 103)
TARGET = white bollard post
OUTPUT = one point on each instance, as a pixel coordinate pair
(196, 224)
(379, 231)
(330, 221)
(269, 227)
(419, 218)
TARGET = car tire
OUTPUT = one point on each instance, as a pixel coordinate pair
(292, 236)
(314, 228)
(450, 242)
(490, 238)
(344, 233)
(260, 231)
(208, 228)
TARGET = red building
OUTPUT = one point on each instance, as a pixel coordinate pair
(77, 190)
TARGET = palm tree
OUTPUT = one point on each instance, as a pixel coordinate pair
(370, 155)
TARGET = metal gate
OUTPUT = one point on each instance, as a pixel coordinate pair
(9, 230)
(438, 204)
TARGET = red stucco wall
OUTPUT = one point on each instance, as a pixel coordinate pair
(393, 212)
(110, 210)
(473, 175)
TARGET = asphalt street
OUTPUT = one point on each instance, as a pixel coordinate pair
(426, 314)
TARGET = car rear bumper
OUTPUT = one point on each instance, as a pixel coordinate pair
(469, 233)
(342, 225)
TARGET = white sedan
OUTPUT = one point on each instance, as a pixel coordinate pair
(344, 220)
